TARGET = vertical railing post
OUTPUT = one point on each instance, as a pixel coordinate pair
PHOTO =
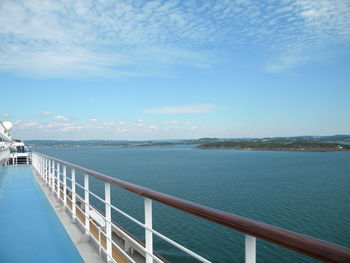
(87, 203)
(46, 170)
(43, 177)
(50, 173)
(42, 167)
(58, 181)
(53, 177)
(65, 185)
(108, 219)
(40, 170)
(250, 249)
(148, 234)
(73, 194)
(37, 166)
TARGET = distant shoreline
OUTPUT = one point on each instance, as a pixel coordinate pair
(296, 146)
(274, 149)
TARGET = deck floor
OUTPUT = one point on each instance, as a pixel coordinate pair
(30, 231)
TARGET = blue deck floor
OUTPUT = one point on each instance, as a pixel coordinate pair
(30, 231)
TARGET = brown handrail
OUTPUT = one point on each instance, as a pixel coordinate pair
(313, 247)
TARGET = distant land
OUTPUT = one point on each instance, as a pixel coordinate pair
(298, 143)
(309, 146)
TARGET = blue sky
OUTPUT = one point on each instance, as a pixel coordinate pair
(174, 69)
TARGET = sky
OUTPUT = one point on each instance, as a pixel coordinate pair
(137, 70)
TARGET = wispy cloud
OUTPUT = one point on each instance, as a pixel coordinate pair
(184, 109)
(123, 38)
(93, 119)
(314, 31)
(113, 129)
(46, 113)
(60, 118)
(109, 39)
(6, 115)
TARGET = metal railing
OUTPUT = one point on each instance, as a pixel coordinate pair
(51, 170)
(4, 155)
(20, 158)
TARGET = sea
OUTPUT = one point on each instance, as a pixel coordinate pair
(306, 192)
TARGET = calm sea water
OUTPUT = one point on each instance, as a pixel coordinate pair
(307, 192)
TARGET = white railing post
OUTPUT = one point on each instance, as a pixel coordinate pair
(50, 173)
(99, 241)
(37, 166)
(108, 219)
(53, 176)
(74, 211)
(43, 176)
(46, 170)
(250, 249)
(40, 170)
(148, 234)
(86, 205)
(58, 181)
(65, 185)
(42, 167)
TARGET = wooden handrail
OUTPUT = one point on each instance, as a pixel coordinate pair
(313, 247)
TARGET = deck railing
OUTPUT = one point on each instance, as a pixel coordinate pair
(4, 155)
(54, 172)
(20, 158)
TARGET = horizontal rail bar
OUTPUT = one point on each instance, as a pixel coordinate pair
(304, 244)
(179, 246)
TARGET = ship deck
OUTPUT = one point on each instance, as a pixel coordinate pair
(29, 227)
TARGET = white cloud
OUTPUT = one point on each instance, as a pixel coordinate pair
(138, 124)
(116, 39)
(123, 130)
(72, 128)
(53, 125)
(93, 119)
(6, 115)
(46, 113)
(60, 118)
(110, 123)
(153, 129)
(29, 125)
(106, 130)
(184, 109)
(316, 30)
(176, 123)
(103, 39)
(285, 62)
